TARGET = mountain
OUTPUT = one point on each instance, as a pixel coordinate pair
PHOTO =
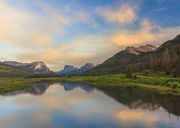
(86, 67)
(38, 67)
(8, 71)
(70, 70)
(135, 59)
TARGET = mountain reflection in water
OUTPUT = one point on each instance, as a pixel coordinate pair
(102, 106)
(39, 88)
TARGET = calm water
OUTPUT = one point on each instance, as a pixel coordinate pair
(48, 105)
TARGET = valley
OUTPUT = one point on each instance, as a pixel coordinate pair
(149, 66)
(89, 63)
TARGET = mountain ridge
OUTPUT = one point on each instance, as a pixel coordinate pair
(10, 71)
(164, 58)
(71, 70)
(37, 67)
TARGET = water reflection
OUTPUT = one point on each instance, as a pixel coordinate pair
(39, 88)
(136, 98)
(70, 86)
(79, 105)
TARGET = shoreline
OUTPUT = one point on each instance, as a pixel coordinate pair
(164, 85)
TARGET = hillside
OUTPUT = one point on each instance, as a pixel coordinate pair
(165, 58)
(8, 71)
(38, 67)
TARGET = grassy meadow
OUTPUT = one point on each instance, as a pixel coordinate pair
(161, 84)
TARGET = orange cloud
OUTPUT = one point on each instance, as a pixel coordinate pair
(125, 14)
(130, 116)
(147, 33)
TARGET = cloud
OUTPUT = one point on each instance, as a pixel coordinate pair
(81, 16)
(78, 51)
(23, 27)
(135, 116)
(34, 34)
(97, 48)
(130, 117)
(147, 33)
(124, 14)
(53, 34)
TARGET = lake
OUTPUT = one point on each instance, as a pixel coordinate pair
(72, 105)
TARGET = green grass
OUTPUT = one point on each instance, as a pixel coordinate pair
(161, 84)
(8, 71)
(12, 84)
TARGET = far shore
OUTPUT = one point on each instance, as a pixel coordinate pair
(164, 85)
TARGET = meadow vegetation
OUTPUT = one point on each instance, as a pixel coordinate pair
(162, 84)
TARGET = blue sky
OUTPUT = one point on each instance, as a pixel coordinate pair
(75, 32)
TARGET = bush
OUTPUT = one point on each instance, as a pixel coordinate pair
(173, 84)
(128, 75)
(135, 76)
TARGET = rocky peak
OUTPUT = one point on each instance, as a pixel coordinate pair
(70, 69)
(87, 67)
(131, 50)
(152, 46)
(38, 67)
(177, 37)
(39, 64)
(141, 49)
(68, 66)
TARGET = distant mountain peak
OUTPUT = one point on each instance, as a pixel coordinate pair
(39, 64)
(152, 46)
(132, 50)
(38, 67)
(86, 67)
(88, 64)
(141, 49)
(70, 69)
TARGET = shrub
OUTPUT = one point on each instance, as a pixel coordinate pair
(173, 84)
(129, 75)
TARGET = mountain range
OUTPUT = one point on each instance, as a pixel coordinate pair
(165, 58)
(71, 70)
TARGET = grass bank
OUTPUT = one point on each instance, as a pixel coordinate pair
(161, 84)
(12, 84)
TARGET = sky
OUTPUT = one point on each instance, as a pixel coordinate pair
(75, 32)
